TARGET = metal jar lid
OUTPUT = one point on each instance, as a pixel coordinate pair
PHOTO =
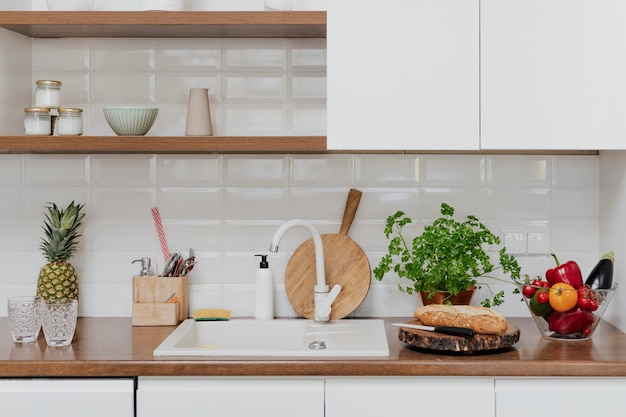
(69, 110)
(37, 110)
(48, 83)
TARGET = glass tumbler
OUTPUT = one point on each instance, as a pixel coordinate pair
(58, 320)
(23, 316)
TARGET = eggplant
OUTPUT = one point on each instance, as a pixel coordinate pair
(601, 276)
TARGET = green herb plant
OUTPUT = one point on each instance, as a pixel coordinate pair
(449, 256)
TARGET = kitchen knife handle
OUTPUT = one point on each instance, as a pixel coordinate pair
(455, 331)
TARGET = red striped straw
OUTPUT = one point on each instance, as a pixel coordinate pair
(159, 228)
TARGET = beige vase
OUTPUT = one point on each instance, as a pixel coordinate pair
(198, 113)
(441, 297)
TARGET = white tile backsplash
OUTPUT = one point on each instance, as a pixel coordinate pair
(227, 207)
(15, 67)
(189, 170)
(123, 170)
(75, 170)
(322, 171)
(524, 170)
(71, 54)
(256, 86)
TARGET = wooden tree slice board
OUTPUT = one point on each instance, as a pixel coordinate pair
(345, 264)
(436, 341)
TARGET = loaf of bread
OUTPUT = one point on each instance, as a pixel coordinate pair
(479, 319)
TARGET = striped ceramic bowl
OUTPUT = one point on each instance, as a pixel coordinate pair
(130, 120)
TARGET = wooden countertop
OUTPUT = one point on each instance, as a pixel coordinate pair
(111, 347)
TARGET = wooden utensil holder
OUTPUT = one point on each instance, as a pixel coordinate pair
(150, 296)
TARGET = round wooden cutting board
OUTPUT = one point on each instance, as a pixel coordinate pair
(437, 341)
(345, 264)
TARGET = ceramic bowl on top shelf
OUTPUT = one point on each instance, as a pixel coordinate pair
(130, 120)
(576, 323)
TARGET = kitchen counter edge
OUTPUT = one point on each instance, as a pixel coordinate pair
(112, 347)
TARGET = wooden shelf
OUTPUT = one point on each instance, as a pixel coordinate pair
(162, 144)
(161, 24)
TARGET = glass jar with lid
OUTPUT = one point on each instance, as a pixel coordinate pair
(70, 122)
(48, 94)
(37, 121)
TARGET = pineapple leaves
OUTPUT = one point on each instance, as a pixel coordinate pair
(61, 231)
(449, 255)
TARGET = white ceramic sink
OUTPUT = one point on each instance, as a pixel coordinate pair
(296, 337)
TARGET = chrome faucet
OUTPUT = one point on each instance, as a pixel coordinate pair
(322, 298)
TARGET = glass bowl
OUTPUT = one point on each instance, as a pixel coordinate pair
(574, 324)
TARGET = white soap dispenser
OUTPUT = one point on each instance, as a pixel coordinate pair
(264, 307)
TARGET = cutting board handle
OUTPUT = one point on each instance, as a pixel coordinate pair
(352, 204)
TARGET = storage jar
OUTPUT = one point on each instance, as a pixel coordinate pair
(48, 94)
(70, 122)
(37, 121)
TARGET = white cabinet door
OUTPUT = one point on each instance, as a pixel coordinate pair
(403, 74)
(550, 397)
(67, 397)
(553, 74)
(229, 397)
(442, 397)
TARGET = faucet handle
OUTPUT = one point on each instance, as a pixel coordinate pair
(322, 310)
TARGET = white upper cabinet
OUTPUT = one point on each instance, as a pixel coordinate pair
(403, 74)
(553, 74)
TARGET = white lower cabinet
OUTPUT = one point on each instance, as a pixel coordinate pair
(378, 396)
(553, 396)
(441, 397)
(67, 397)
(229, 397)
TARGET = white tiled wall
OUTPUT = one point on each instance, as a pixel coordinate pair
(227, 208)
(15, 67)
(256, 86)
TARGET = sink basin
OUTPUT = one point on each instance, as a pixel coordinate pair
(297, 337)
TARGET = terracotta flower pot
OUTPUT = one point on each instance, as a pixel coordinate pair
(442, 297)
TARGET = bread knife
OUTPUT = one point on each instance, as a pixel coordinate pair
(454, 331)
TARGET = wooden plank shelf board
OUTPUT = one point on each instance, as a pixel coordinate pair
(161, 144)
(162, 24)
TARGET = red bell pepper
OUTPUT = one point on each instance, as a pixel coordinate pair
(571, 321)
(569, 273)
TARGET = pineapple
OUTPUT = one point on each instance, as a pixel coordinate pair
(58, 279)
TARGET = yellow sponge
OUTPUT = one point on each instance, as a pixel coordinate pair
(211, 314)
